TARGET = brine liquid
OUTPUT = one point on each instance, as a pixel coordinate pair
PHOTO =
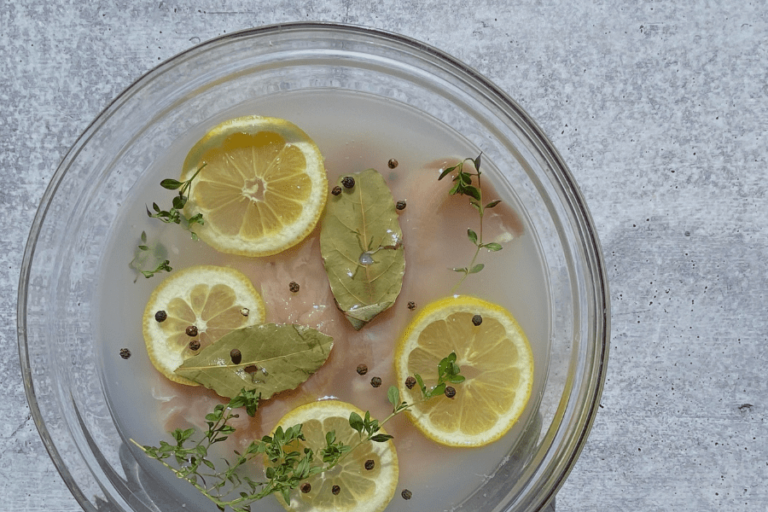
(354, 132)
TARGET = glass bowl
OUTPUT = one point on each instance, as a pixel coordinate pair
(69, 330)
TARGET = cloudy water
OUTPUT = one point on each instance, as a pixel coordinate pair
(353, 133)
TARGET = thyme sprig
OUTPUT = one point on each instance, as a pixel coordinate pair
(448, 372)
(142, 255)
(171, 216)
(163, 266)
(288, 467)
(464, 186)
(190, 460)
(174, 215)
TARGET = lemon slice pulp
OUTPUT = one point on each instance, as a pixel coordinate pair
(495, 357)
(262, 186)
(213, 300)
(360, 490)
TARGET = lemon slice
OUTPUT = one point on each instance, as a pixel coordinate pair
(495, 358)
(360, 490)
(215, 300)
(262, 189)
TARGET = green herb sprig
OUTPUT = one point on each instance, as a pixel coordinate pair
(164, 266)
(174, 215)
(448, 372)
(141, 257)
(287, 467)
(463, 186)
(192, 460)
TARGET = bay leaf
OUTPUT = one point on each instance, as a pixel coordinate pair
(273, 358)
(361, 245)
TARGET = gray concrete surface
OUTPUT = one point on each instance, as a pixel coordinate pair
(660, 110)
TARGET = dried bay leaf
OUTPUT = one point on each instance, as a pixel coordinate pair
(361, 245)
(273, 358)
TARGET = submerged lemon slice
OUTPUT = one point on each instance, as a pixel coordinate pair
(213, 300)
(360, 490)
(495, 358)
(262, 189)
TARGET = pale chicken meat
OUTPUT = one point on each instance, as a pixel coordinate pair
(434, 226)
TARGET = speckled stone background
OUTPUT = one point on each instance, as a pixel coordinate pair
(659, 109)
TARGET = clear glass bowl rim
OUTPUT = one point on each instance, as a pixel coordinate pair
(464, 72)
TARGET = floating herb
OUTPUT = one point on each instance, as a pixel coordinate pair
(447, 372)
(144, 257)
(164, 266)
(174, 215)
(284, 354)
(463, 186)
(191, 459)
(361, 245)
(287, 469)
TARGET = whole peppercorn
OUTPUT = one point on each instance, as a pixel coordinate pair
(305, 487)
(411, 305)
(294, 287)
(348, 181)
(410, 382)
(450, 392)
(161, 315)
(335, 490)
(400, 205)
(362, 369)
(125, 353)
(406, 494)
(194, 345)
(376, 382)
(336, 190)
(369, 464)
(236, 356)
(477, 320)
(191, 331)
(392, 163)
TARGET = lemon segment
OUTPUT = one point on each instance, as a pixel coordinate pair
(361, 490)
(262, 188)
(215, 300)
(495, 357)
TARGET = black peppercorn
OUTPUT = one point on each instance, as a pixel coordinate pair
(236, 356)
(392, 163)
(362, 369)
(376, 382)
(194, 345)
(400, 205)
(477, 320)
(335, 490)
(161, 315)
(348, 181)
(294, 287)
(191, 331)
(450, 392)
(406, 494)
(125, 353)
(369, 464)
(336, 190)
(410, 382)
(411, 305)
(305, 487)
